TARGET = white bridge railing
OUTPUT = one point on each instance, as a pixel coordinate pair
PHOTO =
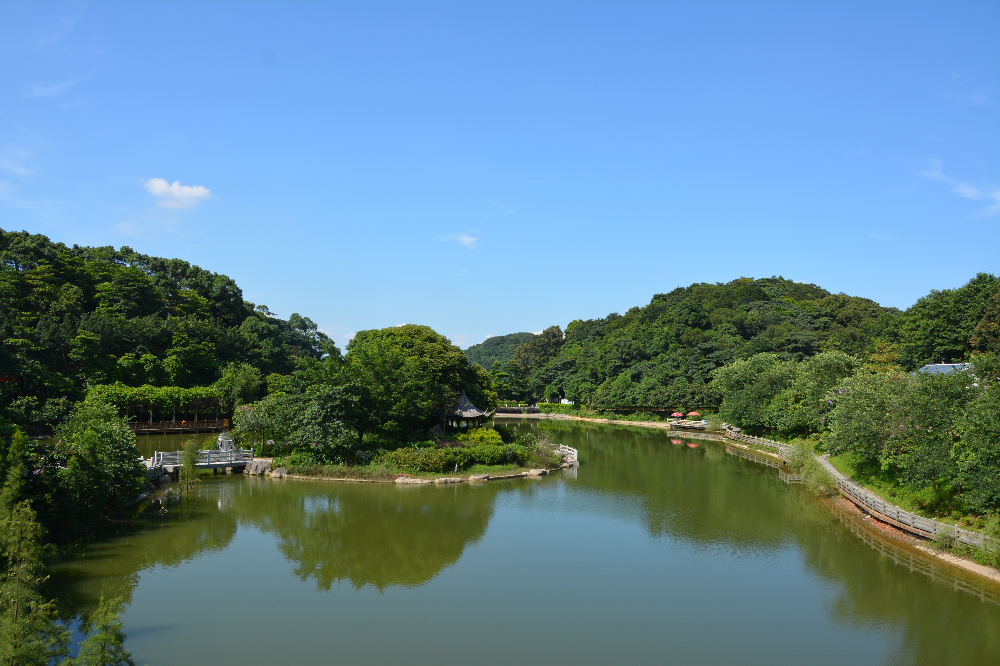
(207, 458)
(568, 453)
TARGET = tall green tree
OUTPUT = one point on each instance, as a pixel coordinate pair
(103, 472)
(105, 642)
(29, 633)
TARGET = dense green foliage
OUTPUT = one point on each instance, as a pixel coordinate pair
(392, 386)
(663, 355)
(498, 348)
(29, 634)
(89, 471)
(75, 317)
(945, 326)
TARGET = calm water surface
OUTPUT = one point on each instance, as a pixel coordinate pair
(650, 553)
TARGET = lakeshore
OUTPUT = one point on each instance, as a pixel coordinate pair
(885, 529)
(643, 520)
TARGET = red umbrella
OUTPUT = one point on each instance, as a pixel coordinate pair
(676, 441)
(692, 445)
(693, 414)
(677, 414)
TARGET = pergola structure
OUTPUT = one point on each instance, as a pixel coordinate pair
(464, 412)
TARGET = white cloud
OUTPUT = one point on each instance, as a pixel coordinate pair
(462, 239)
(966, 190)
(175, 195)
(488, 336)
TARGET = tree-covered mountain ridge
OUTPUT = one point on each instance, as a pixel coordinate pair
(76, 317)
(664, 354)
(496, 348)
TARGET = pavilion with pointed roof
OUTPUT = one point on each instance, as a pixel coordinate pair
(465, 412)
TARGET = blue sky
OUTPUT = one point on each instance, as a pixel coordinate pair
(485, 168)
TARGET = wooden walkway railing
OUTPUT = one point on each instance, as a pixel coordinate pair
(926, 527)
(179, 426)
(783, 450)
(872, 503)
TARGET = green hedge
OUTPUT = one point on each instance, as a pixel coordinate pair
(412, 459)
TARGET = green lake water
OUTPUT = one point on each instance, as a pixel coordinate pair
(652, 552)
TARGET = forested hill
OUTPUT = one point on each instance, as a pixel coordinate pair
(73, 317)
(663, 354)
(498, 348)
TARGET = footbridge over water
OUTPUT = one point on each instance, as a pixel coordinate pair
(224, 455)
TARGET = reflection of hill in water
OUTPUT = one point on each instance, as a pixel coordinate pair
(700, 495)
(708, 498)
(112, 564)
(368, 534)
(382, 535)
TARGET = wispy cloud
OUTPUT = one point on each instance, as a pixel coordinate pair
(463, 239)
(59, 33)
(977, 87)
(41, 90)
(13, 166)
(506, 210)
(881, 237)
(965, 189)
(175, 195)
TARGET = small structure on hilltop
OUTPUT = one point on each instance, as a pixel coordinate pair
(943, 368)
(465, 412)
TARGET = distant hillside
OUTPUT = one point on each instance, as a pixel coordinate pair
(73, 317)
(498, 348)
(663, 354)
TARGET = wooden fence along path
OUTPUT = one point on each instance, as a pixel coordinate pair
(178, 426)
(872, 503)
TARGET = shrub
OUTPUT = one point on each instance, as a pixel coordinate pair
(481, 435)
(301, 458)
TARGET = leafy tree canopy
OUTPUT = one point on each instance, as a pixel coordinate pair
(74, 317)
